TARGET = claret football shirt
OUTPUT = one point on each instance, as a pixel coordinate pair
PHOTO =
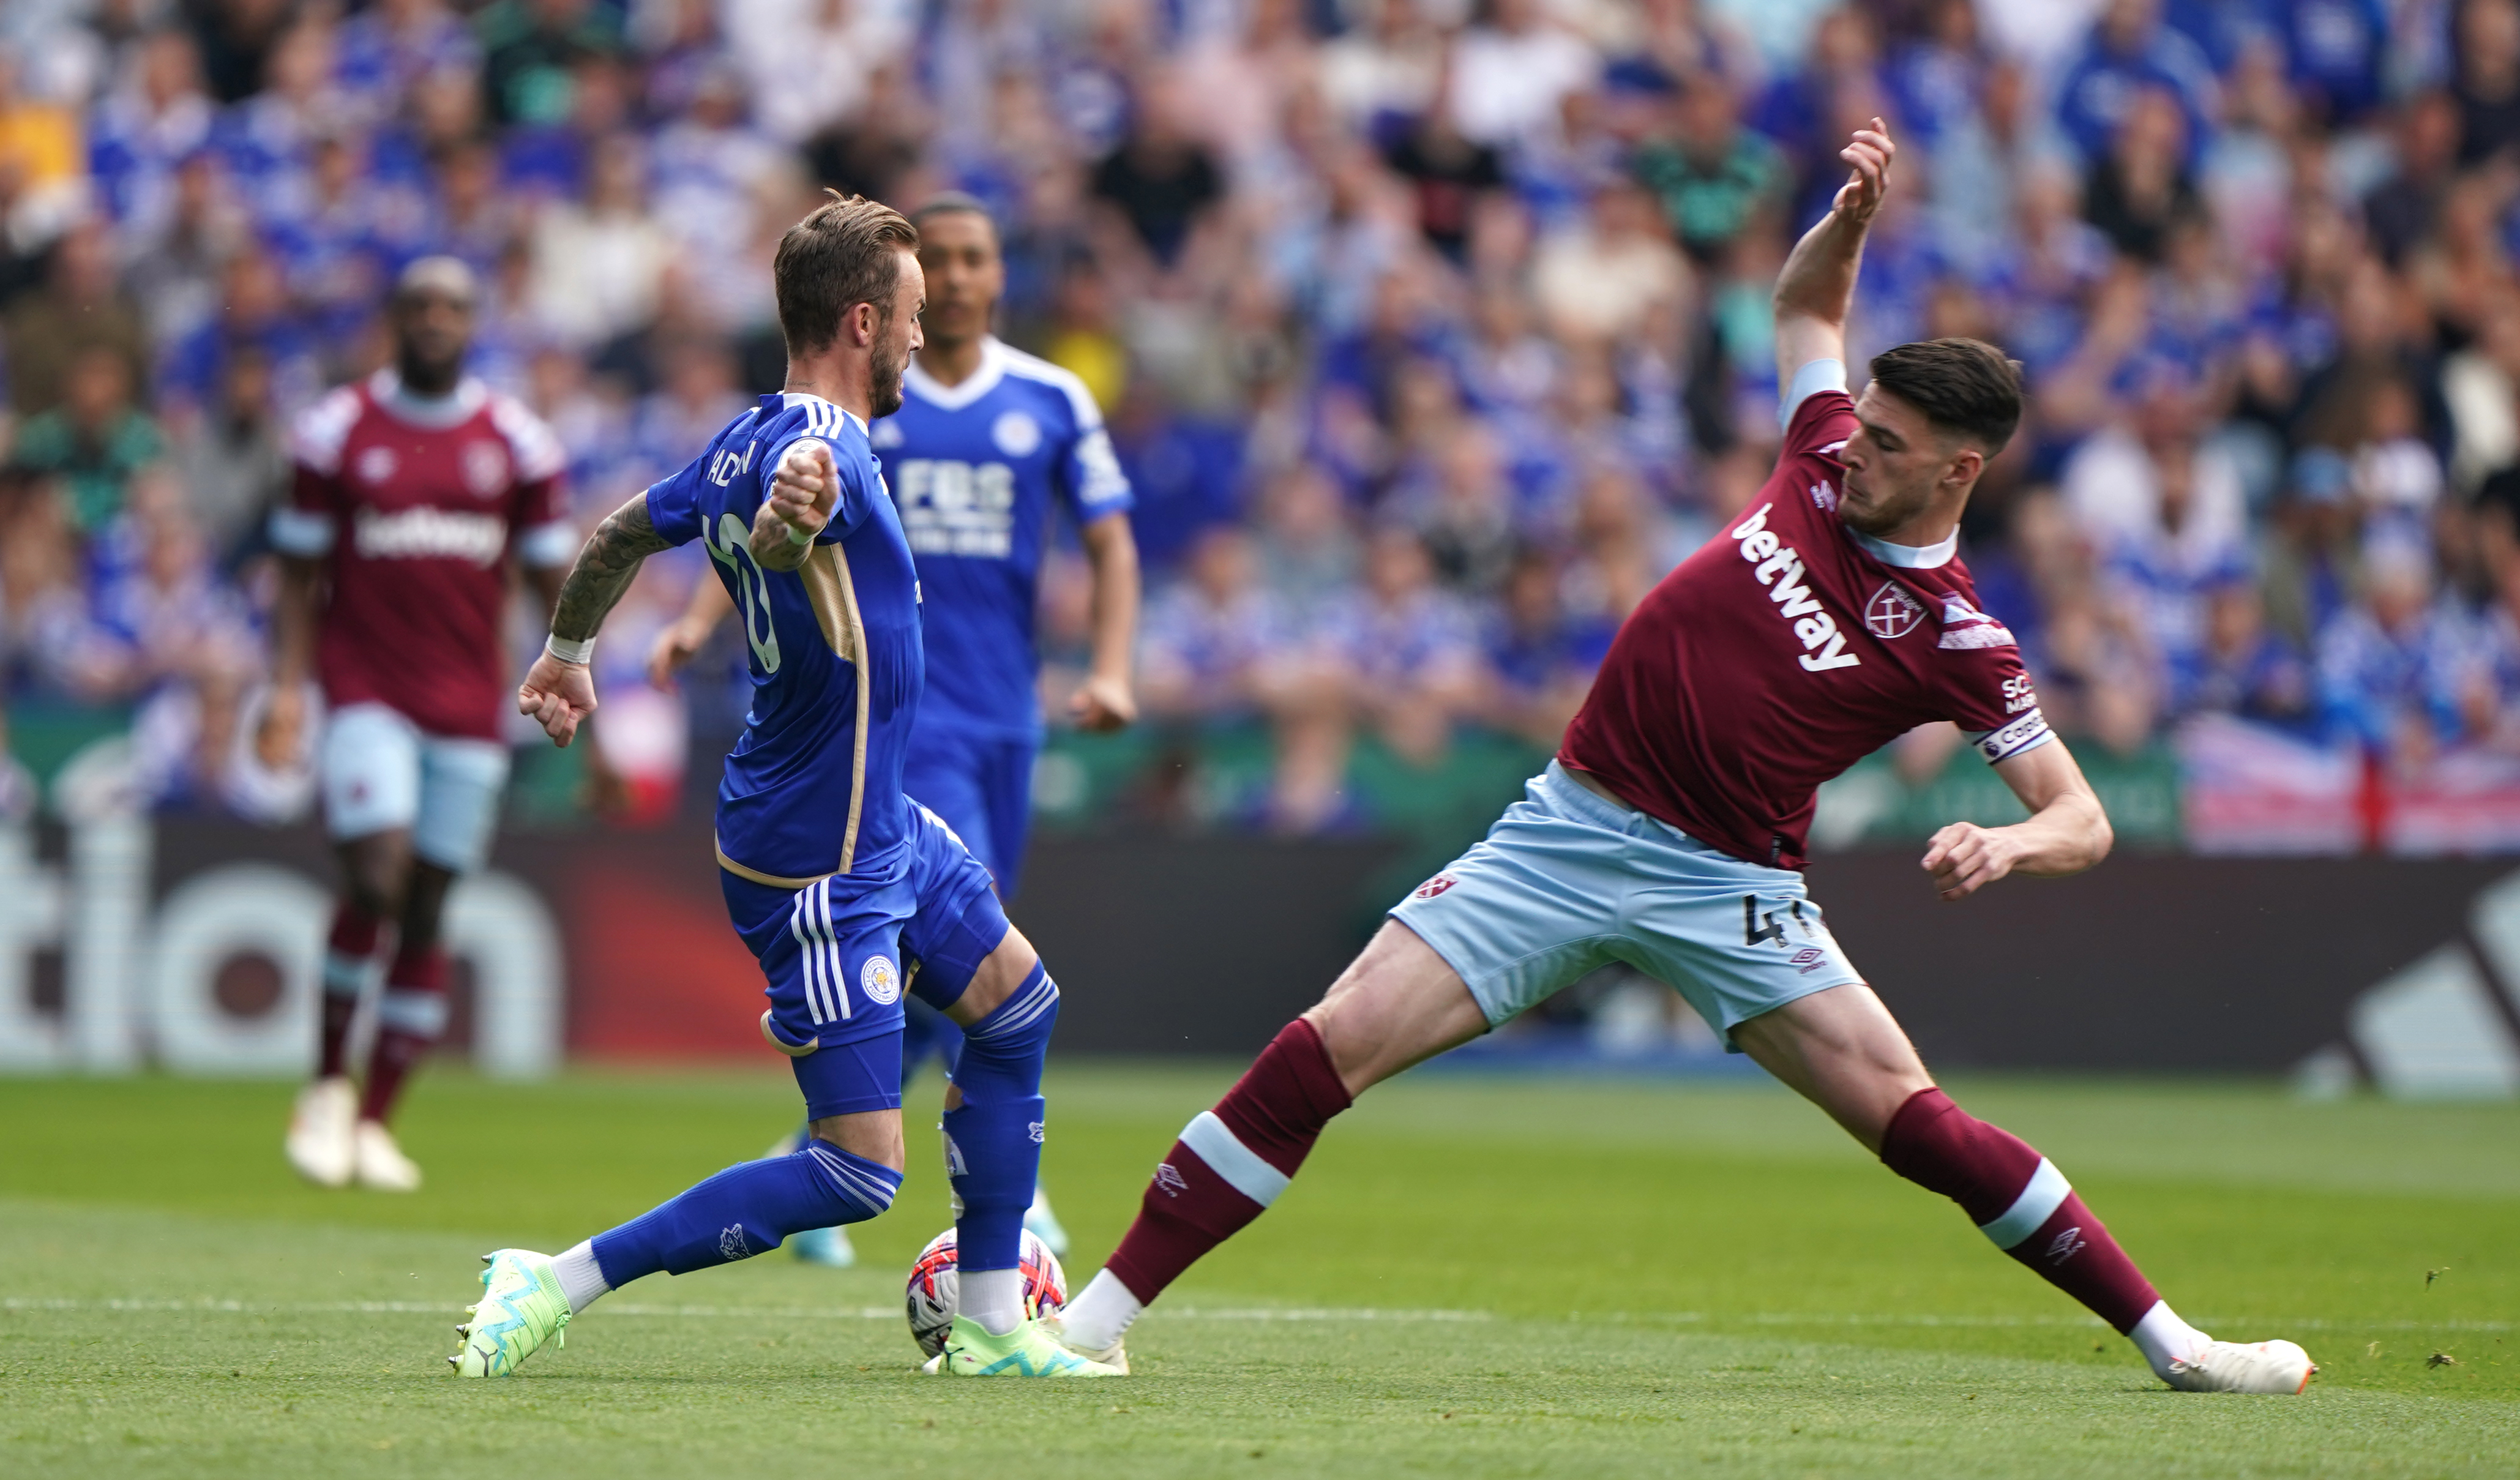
(1784, 651)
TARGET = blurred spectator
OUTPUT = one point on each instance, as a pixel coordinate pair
(2129, 54)
(1597, 279)
(2247, 671)
(2401, 209)
(2390, 665)
(153, 119)
(1162, 180)
(1539, 657)
(79, 309)
(254, 317)
(531, 50)
(2486, 48)
(597, 263)
(1711, 175)
(1410, 650)
(234, 463)
(43, 175)
(93, 442)
(1510, 72)
(1307, 552)
(2140, 186)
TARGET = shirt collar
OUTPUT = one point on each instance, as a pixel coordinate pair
(980, 383)
(1907, 557)
(436, 412)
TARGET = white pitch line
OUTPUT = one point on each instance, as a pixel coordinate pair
(1193, 1313)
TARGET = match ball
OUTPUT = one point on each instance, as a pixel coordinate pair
(933, 1288)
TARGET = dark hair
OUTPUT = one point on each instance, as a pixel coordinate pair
(952, 202)
(1961, 386)
(846, 253)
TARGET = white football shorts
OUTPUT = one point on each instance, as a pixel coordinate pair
(1568, 880)
(381, 772)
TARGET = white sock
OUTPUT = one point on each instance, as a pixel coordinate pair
(581, 1278)
(1096, 1320)
(994, 1298)
(2164, 1338)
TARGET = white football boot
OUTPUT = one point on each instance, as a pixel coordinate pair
(2230, 1367)
(382, 1165)
(319, 1143)
(1115, 1355)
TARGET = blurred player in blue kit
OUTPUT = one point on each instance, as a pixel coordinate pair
(986, 439)
(833, 877)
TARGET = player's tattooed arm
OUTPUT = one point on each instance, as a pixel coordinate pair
(560, 693)
(604, 569)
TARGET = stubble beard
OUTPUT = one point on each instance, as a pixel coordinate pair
(884, 372)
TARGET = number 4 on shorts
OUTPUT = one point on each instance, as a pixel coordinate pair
(1752, 930)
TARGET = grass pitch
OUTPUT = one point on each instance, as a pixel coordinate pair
(1472, 1277)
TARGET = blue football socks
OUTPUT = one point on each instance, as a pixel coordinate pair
(746, 1210)
(993, 1139)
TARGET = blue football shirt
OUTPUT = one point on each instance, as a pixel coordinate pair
(973, 468)
(814, 786)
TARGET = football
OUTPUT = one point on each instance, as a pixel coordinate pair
(930, 1299)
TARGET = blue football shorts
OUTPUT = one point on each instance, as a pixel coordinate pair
(981, 786)
(837, 954)
(1568, 880)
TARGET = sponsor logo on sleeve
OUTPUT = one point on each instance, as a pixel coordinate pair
(1778, 566)
(2019, 693)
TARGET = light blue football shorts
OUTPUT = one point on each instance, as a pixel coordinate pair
(1567, 881)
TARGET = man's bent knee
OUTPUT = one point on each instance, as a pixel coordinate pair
(875, 1134)
(1398, 1004)
(1004, 969)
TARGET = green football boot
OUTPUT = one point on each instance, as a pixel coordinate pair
(1027, 1351)
(521, 1308)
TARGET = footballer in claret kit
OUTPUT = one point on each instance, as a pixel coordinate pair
(415, 491)
(835, 880)
(1830, 616)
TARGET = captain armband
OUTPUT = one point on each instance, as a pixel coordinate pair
(2025, 731)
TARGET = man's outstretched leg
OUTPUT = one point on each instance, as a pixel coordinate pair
(323, 1127)
(1397, 1005)
(847, 1172)
(1841, 1050)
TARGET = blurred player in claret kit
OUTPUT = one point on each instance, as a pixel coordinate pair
(415, 490)
(833, 877)
(1832, 616)
(986, 440)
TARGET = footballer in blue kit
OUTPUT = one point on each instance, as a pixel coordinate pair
(987, 440)
(836, 880)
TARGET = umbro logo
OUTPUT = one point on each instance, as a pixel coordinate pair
(1172, 1182)
(2065, 1245)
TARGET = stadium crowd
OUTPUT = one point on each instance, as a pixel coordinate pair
(1430, 331)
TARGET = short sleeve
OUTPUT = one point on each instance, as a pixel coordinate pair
(307, 526)
(1988, 692)
(674, 506)
(1819, 425)
(1088, 477)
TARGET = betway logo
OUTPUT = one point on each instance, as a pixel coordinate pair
(1779, 567)
(431, 533)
